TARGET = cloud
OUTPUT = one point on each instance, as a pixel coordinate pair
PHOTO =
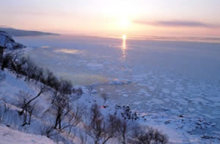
(176, 23)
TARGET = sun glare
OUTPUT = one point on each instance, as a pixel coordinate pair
(124, 37)
(124, 23)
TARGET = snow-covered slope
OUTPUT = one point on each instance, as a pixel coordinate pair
(7, 42)
(10, 121)
(13, 87)
(10, 136)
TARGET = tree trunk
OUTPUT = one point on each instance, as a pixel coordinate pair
(124, 140)
(1, 55)
(25, 118)
(58, 119)
(28, 103)
(106, 139)
(60, 123)
(30, 115)
(56, 123)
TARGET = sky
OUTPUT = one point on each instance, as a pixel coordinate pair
(114, 17)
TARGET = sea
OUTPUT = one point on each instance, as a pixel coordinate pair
(175, 81)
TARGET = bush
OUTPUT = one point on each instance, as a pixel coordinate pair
(102, 128)
(7, 61)
(149, 136)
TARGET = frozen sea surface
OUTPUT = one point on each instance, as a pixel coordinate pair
(172, 82)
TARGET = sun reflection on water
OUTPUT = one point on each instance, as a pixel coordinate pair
(124, 47)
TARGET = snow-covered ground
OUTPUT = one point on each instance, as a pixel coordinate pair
(175, 86)
(10, 136)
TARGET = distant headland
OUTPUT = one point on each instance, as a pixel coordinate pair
(20, 32)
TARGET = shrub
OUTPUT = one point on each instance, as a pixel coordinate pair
(149, 136)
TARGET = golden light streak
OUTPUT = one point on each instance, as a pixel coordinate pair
(124, 46)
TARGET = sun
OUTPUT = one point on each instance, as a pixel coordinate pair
(124, 23)
(124, 36)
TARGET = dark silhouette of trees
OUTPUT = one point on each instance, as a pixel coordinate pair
(147, 136)
(6, 61)
(1, 54)
(24, 66)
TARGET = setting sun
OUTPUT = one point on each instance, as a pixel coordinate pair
(124, 23)
(124, 37)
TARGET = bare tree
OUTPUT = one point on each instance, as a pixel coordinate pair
(113, 125)
(96, 126)
(1, 54)
(73, 118)
(60, 103)
(101, 129)
(26, 103)
(27, 108)
(65, 87)
(149, 136)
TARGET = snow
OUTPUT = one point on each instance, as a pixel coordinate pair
(11, 90)
(7, 41)
(10, 136)
(183, 103)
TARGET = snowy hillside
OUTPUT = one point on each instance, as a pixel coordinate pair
(10, 136)
(35, 103)
(7, 41)
(33, 100)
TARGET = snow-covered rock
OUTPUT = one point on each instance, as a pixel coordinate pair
(6, 41)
